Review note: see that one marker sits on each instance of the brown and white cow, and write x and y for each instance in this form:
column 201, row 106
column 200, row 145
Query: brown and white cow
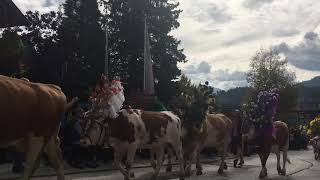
column 215, row 131
column 134, row 129
column 271, row 138
column 30, row 116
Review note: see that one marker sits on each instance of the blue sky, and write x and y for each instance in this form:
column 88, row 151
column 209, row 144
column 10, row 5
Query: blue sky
column 220, row 36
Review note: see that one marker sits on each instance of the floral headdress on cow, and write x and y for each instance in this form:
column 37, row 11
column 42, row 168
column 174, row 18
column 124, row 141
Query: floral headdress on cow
column 194, row 101
column 264, row 109
column 107, row 97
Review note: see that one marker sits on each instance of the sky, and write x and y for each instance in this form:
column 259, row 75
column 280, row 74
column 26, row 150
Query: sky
column 220, row 36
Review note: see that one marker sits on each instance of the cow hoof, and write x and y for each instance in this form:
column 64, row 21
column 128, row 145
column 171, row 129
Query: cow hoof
column 225, row 166
column 169, row 169
column 188, row 173
column 153, row 165
column 199, row 173
column 220, row 171
column 154, row 177
column 279, row 170
column 132, row 175
column 263, row 175
column 283, row 173
column 235, row 162
column 241, row 163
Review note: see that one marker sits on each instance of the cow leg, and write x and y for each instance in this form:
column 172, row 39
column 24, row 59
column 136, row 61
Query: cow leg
column 170, row 155
column 239, row 156
column 159, row 155
column 117, row 161
column 152, row 160
column 198, row 164
column 55, row 156
column 277, row 152
column 285, row 159
column 235, row 162
column 241, row 146
column 178, row 150
column 34, row 149
column 264, row 171
column 130, row 158
column 222, row 164
column 222, row 151
column 188, row 164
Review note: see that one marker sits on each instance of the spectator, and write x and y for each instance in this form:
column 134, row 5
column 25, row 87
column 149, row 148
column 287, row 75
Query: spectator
column 17, row 162
column 2, row 156
column 158, row 105
column 71, row 132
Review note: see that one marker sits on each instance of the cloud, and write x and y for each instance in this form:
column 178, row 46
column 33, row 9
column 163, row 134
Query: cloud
column 48, row 3
column 203, row 11
column 304, row 55
column 212, row 12
column 203, row 67
column 253, row 4
column 242, row 39
column 311, row 36
column 285, row 32
column 226, row 85
column 227, row 75
column 42, row 6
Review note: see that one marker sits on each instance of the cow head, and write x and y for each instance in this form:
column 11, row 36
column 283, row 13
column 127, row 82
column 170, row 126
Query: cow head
column 95, row 131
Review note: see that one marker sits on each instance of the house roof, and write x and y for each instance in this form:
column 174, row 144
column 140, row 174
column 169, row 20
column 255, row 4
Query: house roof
column 11, row 15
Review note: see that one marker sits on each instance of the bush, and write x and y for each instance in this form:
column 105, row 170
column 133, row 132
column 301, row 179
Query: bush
column 298, row 138
column 313, row 129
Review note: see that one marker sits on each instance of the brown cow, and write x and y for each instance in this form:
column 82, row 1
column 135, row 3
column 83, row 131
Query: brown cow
column 134, row 129
column 30, row 117
column 271, row 138
column 237, row 138
column 214, row 131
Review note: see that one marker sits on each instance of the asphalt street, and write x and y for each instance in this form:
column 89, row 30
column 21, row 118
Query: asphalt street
column 302, row 167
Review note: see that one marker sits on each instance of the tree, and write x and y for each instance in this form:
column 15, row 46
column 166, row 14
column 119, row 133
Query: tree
column 11, row 52
column 267, row 71
column 81, row 41
column 40, row 38
column 126, row 29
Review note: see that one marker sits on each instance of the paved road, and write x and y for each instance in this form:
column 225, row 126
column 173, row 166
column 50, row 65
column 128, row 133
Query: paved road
column 303, row 167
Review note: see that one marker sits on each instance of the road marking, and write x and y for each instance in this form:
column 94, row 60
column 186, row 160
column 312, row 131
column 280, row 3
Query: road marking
column 310, row 166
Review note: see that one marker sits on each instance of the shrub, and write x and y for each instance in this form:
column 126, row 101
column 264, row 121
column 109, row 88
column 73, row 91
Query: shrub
column 313, row 129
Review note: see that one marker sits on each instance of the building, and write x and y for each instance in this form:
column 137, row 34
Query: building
column 10, row 15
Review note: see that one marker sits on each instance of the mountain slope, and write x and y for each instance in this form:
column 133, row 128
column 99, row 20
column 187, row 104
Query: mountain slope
column 314, row 82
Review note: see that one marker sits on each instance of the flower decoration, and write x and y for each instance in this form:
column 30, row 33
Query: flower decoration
column 264, row 109
column 101, row 92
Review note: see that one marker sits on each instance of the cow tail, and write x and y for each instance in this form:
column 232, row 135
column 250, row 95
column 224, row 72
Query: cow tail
column 71, row 104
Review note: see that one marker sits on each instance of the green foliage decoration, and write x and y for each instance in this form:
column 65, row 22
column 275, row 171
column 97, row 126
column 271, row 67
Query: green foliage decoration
column 193, row 102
